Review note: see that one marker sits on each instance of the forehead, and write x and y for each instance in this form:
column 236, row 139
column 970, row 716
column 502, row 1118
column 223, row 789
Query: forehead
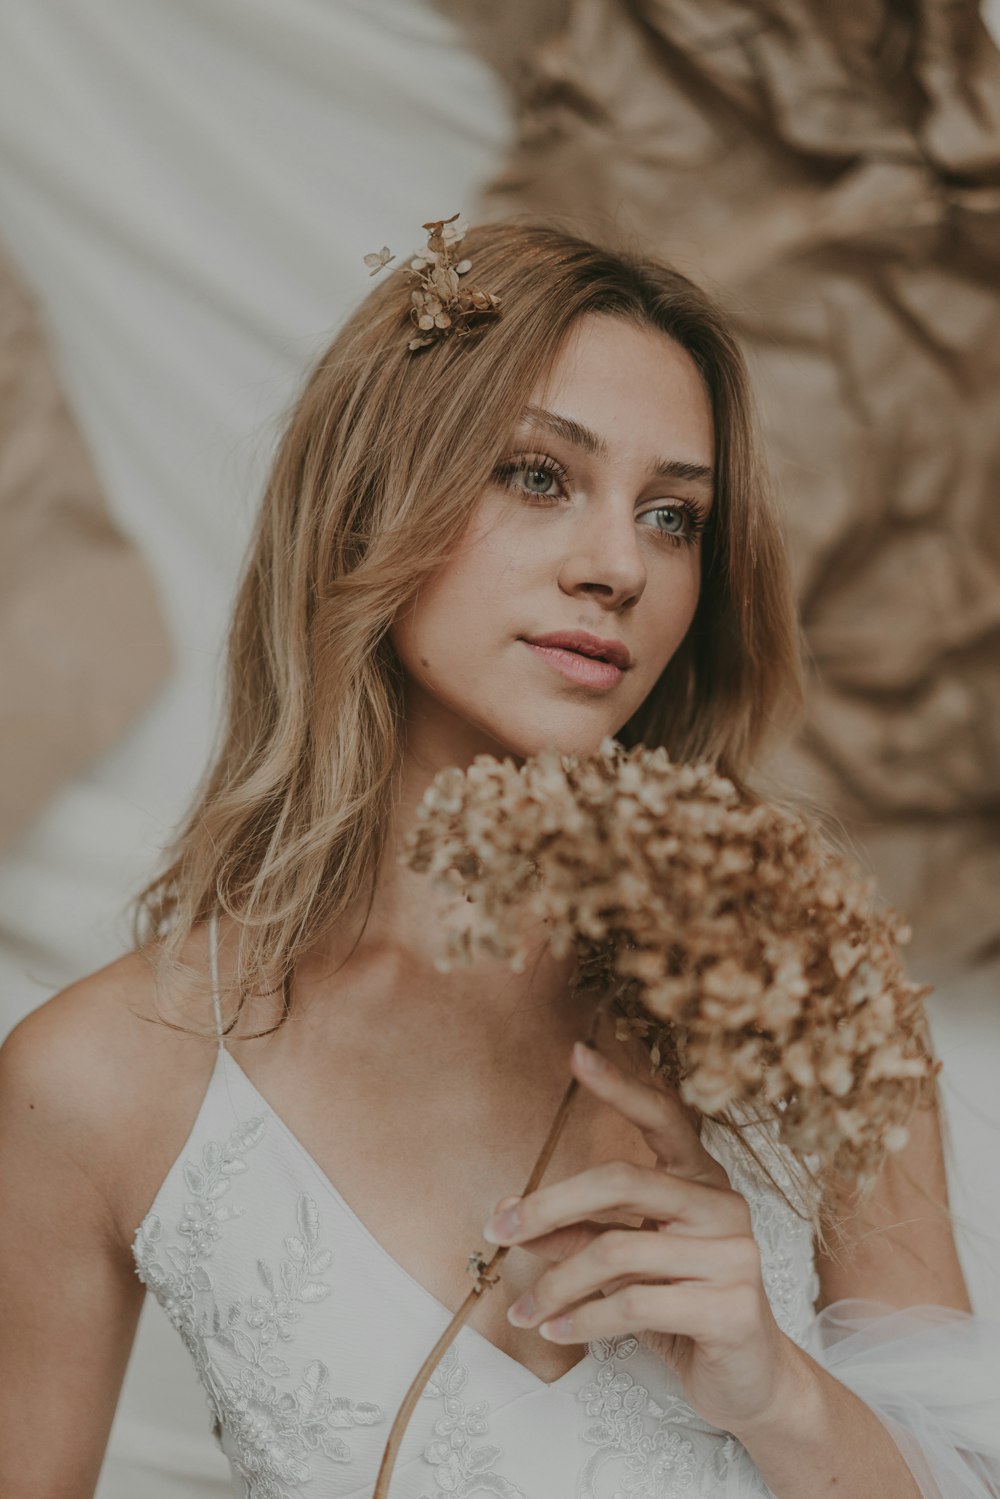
column 620, row 390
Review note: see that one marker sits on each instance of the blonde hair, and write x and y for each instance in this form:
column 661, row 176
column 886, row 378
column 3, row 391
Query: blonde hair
column 383, row 459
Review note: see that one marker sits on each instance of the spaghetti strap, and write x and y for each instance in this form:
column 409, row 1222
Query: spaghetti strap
column 213, row 960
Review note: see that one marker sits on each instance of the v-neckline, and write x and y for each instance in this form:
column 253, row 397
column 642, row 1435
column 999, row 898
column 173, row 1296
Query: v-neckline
column 399, row 1269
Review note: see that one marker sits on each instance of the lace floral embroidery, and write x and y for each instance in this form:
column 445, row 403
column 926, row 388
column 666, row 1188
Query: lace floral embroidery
column 661, row 1448
column 461, row 1469
column 273, row 1422
column 659, row 1460
column 658, row 1449
column 786, row 1248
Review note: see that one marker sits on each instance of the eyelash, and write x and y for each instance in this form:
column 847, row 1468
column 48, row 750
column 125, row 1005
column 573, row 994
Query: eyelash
column 504, row 474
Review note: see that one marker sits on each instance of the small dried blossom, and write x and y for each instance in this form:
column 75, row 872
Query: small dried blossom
column 379, row 258
column 723, row 930
column 441, row 303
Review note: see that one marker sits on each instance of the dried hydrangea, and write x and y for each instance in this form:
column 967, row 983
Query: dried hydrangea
column 440, row 302
column 750, row 956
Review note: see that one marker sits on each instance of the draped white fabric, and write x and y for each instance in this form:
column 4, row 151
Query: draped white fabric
column 933, row 1377
column 189, row 185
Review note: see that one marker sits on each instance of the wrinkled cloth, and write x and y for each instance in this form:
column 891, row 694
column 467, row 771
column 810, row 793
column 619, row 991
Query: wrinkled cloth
column 833, row 175
column 82, row 641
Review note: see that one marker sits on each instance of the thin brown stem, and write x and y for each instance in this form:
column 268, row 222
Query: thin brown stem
column 486, row 1278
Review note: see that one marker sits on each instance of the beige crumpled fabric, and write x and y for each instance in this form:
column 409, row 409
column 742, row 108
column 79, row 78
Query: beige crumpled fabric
column 82, row 642
column 833, row 174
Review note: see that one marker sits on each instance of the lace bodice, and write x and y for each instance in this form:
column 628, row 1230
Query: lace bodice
column 305, row 1334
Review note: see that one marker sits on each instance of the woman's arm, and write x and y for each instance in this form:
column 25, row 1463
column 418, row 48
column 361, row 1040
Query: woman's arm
column 69, row 1296
column 901, row 1250
column 901, row 1255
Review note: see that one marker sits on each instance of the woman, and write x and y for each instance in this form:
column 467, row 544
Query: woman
column 548, row 531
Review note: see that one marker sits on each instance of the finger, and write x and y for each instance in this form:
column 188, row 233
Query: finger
column 620, row 1257
column 665, row 1123
column 505, row 1202
column 562, row 1242
column 623, row 1187
column 709, row 1315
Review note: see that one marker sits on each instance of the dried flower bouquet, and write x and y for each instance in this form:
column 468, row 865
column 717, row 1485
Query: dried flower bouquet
column 723, row 930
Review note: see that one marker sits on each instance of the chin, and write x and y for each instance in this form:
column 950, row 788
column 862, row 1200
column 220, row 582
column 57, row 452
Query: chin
column 565, row 738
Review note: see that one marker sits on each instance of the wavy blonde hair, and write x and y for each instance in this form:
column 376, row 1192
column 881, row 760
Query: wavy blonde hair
column 382, row 461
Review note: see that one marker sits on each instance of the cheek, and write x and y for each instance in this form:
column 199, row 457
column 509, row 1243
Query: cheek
column 456, row 612
column 468, row 599
column 668, row 620
column 678, row 585
column 686, row 596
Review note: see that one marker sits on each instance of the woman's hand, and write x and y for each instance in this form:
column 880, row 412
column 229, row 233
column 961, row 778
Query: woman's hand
column 689, row 1280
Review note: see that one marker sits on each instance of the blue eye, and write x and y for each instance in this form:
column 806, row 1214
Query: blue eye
column 539, row 477
column 532, row 476
column 538, row 480
column 685, row 521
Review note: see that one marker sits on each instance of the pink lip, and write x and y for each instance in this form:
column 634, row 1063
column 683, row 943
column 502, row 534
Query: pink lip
column 585, row 644
column 584, row 670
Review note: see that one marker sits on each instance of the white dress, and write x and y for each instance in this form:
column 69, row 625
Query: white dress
column 306, row 1334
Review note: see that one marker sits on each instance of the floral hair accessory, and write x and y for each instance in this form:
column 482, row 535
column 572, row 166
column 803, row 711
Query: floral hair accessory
column 442, row 302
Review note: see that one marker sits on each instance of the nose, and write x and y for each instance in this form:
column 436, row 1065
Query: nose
column 603, row 562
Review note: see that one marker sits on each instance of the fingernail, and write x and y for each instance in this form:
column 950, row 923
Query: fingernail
column 556, row 1329
column 590, row 1060
column 523, row 1311
column 503, row 1226
column 505, row 1202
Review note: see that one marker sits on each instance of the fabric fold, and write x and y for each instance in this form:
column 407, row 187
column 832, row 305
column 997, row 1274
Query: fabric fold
column 932, row 1376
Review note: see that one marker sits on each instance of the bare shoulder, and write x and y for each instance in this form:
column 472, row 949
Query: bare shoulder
column 96, row 1100
column 107, row 1075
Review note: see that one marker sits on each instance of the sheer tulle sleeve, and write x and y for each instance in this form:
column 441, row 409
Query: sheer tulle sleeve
column 932, row 1376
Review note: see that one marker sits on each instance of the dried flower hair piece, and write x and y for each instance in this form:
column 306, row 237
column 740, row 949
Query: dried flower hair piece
column 441, row 303
column 379, row 258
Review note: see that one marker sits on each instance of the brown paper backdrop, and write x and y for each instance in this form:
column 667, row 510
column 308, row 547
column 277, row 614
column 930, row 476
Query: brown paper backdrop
column 833, row 174
column 82, row 643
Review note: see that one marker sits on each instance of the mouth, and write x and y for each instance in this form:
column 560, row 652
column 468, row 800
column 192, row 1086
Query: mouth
column 584, row 660
column 580, row 643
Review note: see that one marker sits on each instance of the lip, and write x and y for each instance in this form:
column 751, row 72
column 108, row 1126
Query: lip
column 585, row 669
column 585, row 644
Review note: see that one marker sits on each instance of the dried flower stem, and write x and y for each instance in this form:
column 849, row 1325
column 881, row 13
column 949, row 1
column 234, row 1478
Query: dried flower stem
column 486, row 1279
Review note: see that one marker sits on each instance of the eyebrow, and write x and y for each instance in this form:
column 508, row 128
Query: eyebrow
column 583, row 437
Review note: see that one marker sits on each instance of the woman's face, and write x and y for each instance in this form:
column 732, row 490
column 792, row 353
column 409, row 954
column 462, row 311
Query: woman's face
column 588, row 532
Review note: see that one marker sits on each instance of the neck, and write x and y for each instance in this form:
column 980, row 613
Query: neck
column 404, row 929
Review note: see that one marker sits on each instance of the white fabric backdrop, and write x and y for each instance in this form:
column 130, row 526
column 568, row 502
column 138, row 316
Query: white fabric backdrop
column 189, row 186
